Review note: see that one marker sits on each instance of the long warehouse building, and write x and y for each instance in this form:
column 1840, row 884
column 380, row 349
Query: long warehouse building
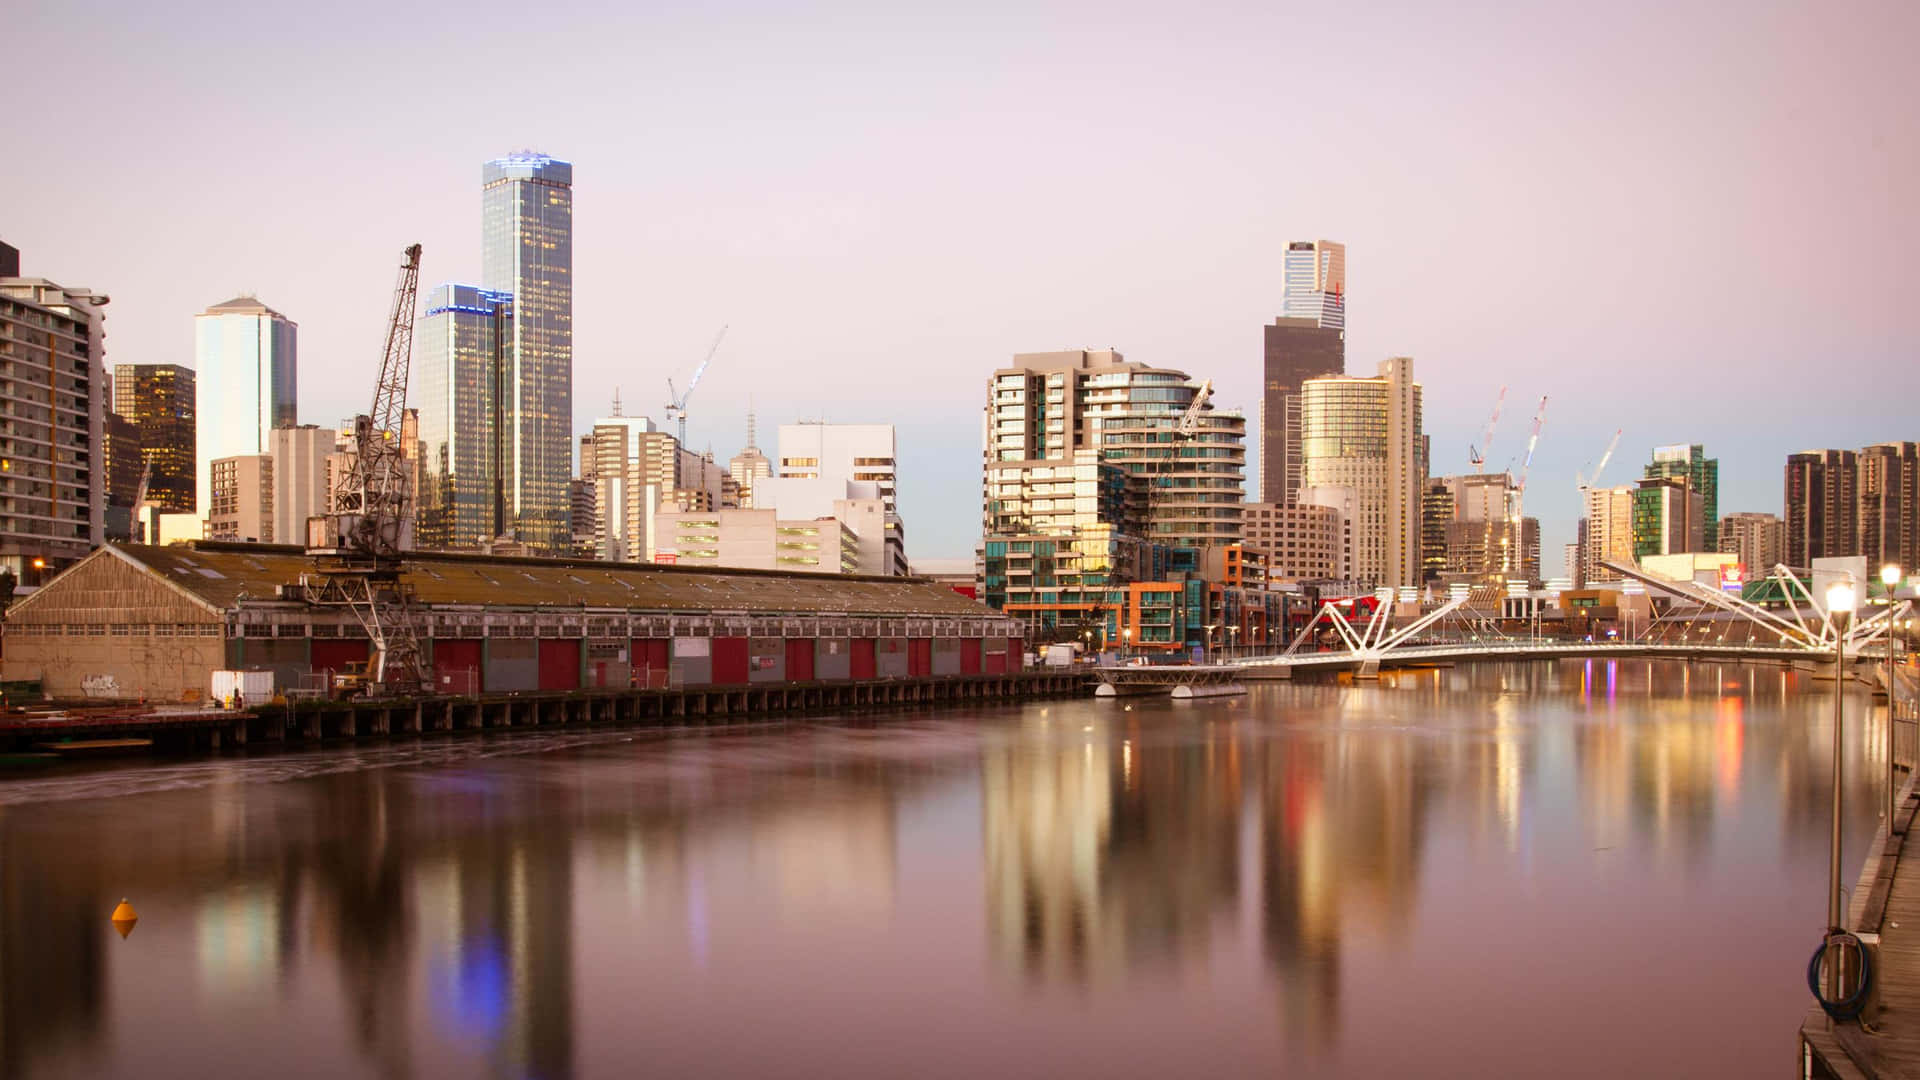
column 136, row 622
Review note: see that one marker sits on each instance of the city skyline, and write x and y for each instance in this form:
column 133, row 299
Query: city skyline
column 1507, row 259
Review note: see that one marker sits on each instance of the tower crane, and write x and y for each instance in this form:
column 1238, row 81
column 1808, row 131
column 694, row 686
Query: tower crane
column 677, row 401
column 1184, row 428
column 358, row 545
column 1516, row 522
column 1478, row 455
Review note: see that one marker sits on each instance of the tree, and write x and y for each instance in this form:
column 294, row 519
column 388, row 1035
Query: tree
column 7, row 584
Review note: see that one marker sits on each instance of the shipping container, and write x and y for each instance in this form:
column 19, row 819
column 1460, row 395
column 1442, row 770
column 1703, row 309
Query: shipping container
column 239, row 689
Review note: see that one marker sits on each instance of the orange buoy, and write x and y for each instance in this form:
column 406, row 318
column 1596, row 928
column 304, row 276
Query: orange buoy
column 124, row 917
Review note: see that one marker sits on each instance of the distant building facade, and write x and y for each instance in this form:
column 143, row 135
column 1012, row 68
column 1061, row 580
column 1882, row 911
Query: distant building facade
column 1301, row 542
column 1607, row 533
column 1889, row 514
column 1668, row 517
column 299, row 479
column 240, row 499
column 1689, row 462
column 1758, row 539
column 160, row 401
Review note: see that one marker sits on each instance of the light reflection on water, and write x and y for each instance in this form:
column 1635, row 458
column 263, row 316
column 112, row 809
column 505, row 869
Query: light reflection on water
column 1587, row 868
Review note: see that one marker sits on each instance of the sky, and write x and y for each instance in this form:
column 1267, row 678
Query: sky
column 1691, row 222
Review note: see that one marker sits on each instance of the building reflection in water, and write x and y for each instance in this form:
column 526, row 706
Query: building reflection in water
column 458, row 919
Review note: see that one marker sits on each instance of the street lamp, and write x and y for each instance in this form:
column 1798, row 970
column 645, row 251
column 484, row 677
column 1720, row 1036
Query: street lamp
column 1211, row 627
column 1840, row 602
column 1126, row 643
column 1890, row 577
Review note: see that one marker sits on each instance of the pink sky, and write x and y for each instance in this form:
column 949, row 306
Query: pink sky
column 1696, row 222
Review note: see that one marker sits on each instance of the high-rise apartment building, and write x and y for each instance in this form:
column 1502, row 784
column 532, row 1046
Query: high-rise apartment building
column 1758, row 539
column 464, row 346
column 1668, row 517
column 246, row 381
column 1689, row 462
column 1822, row 507
column 1300, row 542
column 53, row 480
column 632, row 463
column 526, row 252
column 1889, row 514
column 1607, row 535
column 1364, row 435
column 1307, row 341
column 159, row 400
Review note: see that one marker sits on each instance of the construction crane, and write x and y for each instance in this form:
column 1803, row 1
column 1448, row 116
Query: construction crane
column 1184, row 428
column 1478, row 455
column 1516, row 536
column 677, row 401
column 358, row 544
column 1585, row 483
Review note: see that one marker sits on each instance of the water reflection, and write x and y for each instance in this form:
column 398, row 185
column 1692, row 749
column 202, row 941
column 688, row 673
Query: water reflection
column 1232, row 885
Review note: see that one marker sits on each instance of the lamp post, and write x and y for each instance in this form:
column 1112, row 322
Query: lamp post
column 1890, row 576
column 1211, row 627
column 1840, row 601
column 1233, row 640
column 1126, row 643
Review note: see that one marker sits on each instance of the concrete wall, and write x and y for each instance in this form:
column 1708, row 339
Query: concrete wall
column 156, row 669
column 287, row 658
column 512, row 664
column 832, row 658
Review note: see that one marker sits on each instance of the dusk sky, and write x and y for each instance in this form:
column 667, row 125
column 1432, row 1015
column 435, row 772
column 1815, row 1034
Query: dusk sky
column 1696, row 222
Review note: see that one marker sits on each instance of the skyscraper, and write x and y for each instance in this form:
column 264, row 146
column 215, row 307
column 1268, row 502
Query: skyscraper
column 1889, row 515
column 1608, row 533
column 1690, row 462
column 749, row 466
column 246, row 361
column 1668, row 517
column 1308, row 340
column 465, row 347
column 526, row 251
column 1821, row 508
column 1364, row 448
column 158, row 399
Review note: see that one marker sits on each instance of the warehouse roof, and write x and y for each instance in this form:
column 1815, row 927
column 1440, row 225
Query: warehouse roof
column 223, row 574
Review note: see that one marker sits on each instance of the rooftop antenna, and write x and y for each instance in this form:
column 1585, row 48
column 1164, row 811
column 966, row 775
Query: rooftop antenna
column 752, row 436
column 616, row 401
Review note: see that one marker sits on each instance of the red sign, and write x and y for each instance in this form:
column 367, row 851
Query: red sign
column 666, row 557
column 1732, row 578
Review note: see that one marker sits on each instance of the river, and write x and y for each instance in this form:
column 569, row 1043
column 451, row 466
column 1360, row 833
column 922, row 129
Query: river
column 1579, row 869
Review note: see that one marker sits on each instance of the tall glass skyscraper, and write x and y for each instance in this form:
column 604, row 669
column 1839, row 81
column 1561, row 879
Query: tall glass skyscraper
column 246, row 372
column 526, row 252
column 465, row 347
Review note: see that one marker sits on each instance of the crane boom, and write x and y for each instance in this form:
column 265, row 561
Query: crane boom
column 1478, row 455
column 1190, row 420
column 1516, row 520
column 677, row 400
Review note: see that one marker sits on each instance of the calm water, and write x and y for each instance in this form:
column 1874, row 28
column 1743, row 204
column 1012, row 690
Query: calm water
column 1591, row 870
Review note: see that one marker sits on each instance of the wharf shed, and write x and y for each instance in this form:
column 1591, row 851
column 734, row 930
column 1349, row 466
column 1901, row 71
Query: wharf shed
column 141, row 622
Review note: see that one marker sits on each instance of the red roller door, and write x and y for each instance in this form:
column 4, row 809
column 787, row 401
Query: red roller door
column 456, row 666
column 560, row 664
column 799, row 659
column 729, row 660
column 860, row 662
column 335, row 654
column 650, row 662
column 1016, row 654
column 996, row 663
column 969, row 656
column 920, row 656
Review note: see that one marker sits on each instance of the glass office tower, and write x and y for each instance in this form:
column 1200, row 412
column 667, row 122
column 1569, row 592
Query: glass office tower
column 159, row 400
column 526, row 252
column 245, row 376
column 465, row 351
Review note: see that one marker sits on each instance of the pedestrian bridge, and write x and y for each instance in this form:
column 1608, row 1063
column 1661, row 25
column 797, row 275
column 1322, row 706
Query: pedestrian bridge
column 1415, row 656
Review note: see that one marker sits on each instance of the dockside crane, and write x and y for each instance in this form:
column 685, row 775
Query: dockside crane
column 1516, row 521
column 1478, row 454
column 358, row 545
column 677, row 401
